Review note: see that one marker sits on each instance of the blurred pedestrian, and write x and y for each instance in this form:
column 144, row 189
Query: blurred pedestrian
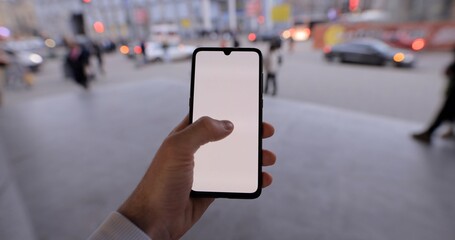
column 78, row 60
column 4, row 60
column 17, row 74
column 291, row 44
column 272, row 63
column 143, row 51
column 165, row 45
column 98, row 52
column 235, row 40
column 447, row 112
column 224, row 41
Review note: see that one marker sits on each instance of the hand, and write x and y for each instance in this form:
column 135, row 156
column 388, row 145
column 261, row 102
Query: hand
column 161, row 205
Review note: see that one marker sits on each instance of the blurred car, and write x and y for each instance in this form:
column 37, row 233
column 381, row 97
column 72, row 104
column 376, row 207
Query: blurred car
column 269, row 37
column 27, row 53
column 108, row 45
column 369, row 51
column 165, row 33
column 130, row 49
column 298, row 33
column 29, row 60
column 29, row 44
column 155, row 52
column 263, row 37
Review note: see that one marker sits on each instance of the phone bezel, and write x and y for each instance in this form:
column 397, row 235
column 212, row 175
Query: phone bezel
column 227, row 52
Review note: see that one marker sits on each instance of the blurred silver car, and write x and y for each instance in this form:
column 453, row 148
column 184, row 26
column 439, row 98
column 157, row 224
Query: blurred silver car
column 155, row 51
column 32, row 61
column 29, row 60
column 26, row 52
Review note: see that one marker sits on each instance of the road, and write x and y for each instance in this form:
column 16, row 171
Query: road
column 408, row 94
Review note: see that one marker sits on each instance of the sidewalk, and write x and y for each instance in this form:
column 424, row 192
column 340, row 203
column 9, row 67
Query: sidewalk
column 340, row 175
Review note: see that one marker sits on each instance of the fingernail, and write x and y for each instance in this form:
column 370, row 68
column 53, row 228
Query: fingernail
column 228, row 125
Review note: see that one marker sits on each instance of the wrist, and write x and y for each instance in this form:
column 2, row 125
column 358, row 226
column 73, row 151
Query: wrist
column 146, row 221
column 158, row 232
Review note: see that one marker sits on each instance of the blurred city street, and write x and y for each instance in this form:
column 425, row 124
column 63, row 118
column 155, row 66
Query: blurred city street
column 408, row 94
column 77, row 155
column 364, row 117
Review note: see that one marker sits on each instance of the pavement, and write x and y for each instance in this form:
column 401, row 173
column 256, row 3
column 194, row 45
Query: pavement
column 75, row 156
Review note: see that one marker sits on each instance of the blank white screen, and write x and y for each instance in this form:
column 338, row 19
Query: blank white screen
column 227, row 88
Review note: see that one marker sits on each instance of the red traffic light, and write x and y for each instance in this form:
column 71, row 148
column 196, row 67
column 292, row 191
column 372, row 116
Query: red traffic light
column 86, row 1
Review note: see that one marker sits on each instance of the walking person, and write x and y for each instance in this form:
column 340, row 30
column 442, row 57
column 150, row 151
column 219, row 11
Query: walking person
column 165, row 45
column 98, row 52
column 272, row 64
column 235, row 40
column 4, row 61
column 143, row 51
column 291, row 44
column 17, row 75
column 447, row 112
column 78, row 59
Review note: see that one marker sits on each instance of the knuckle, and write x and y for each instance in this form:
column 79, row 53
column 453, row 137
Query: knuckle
column 206, row 123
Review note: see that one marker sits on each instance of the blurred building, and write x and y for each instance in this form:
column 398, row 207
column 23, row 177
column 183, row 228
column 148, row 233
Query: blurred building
column 394, row 10
column 124, row 18
column 18, row 16
column 422, row 10
column 136, row 18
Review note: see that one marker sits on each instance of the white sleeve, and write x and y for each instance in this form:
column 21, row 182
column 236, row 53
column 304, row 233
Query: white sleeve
column 118, row 227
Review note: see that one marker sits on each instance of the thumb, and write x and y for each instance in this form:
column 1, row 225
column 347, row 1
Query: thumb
column 203, row 131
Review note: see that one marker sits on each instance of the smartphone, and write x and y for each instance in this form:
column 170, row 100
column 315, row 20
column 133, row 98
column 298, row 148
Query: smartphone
column 226, row 84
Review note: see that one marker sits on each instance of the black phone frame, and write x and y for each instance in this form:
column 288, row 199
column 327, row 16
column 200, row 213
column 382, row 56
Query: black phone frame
column 227, row 51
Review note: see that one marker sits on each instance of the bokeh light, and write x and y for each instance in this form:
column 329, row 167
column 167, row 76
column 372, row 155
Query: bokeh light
column 124, row 49
column 99, row 27
column 398, row 57
column 137, row 50
column 4, row 32
column 50, row 43
column 251, row 37
column 418, row 44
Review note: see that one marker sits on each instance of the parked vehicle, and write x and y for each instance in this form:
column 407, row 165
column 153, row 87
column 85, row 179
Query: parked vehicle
column 165, row 33
column 158, row 52
column 263, row 37
column 369, row 51
column 29, row 60
column 297, row 33
column 27, row 53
